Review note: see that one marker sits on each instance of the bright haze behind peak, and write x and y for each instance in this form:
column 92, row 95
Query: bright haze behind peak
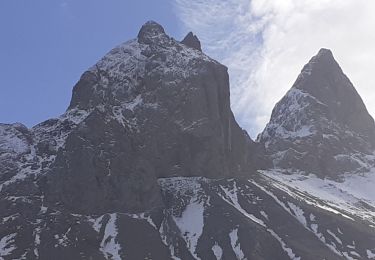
column 266, row 43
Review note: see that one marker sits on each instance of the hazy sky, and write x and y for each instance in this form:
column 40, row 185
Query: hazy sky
column 46, row 45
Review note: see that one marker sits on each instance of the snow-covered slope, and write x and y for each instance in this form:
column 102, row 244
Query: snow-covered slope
column 353, row 194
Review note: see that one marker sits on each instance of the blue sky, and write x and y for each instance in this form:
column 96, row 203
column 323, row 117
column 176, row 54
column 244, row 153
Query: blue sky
column 46, row 45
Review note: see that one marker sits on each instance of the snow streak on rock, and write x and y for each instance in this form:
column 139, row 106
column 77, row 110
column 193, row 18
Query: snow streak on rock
column 235, row 242
column 288, row 250
column 370, row 253
column 292, row 188
column 109, row 245
column 6, row 244
column 190, row 221
column 231, row 197
column 354, row 195
column 218, row 252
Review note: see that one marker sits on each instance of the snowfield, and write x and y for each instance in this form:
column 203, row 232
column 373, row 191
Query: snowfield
column 355, row 194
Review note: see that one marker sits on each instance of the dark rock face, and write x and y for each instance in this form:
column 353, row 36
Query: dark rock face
column 321, row 125
column 105, row 167
column 156, row 109
column 192, row 41
column 331, row 86
column 149, row 31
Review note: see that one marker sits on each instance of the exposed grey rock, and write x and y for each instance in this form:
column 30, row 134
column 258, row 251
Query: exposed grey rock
column 157, row 109
column 151, row 31
column 321, row 125
column 47, row 146
column 15, row 143
column 192, row 41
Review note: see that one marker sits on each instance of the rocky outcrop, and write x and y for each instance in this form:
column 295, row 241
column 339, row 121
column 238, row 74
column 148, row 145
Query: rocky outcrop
column 321, row 125
column 156, row 109
column 15, row 145
column 192, row 41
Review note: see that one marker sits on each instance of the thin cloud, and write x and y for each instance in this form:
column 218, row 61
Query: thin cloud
column 265, row 44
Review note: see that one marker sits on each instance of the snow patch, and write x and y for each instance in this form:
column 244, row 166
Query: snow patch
column 338, row 240
column 232, row 199
column 288, row 250
column 344, row 198
column 96, row 223
column 7, row 245
column 190, row 224
column 37, row 232
column 133, row 104
column 370, row 253
column 264, row 214
column 109, row 246
column 235, row 242
column 298, row 213
column 218, row 252
column 190, row 221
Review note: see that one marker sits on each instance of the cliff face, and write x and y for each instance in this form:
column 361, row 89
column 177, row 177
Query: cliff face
column 155, row 108
column 321, row 125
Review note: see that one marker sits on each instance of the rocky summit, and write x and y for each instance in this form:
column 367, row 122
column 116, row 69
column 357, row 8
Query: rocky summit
column 321, row 125
column 148, row 162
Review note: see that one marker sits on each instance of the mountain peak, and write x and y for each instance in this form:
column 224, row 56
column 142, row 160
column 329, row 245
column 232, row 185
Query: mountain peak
column 157, row 87
column 323, row 78
column 323, row 63
column 192, row 41
column 129, row 65
column 324, row 52
column 321, row 122
column 149, row 31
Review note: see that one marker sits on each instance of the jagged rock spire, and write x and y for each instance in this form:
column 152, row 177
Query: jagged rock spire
column 321, row 125
column 192, row 41
column 323, row 78
column 149, row 31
